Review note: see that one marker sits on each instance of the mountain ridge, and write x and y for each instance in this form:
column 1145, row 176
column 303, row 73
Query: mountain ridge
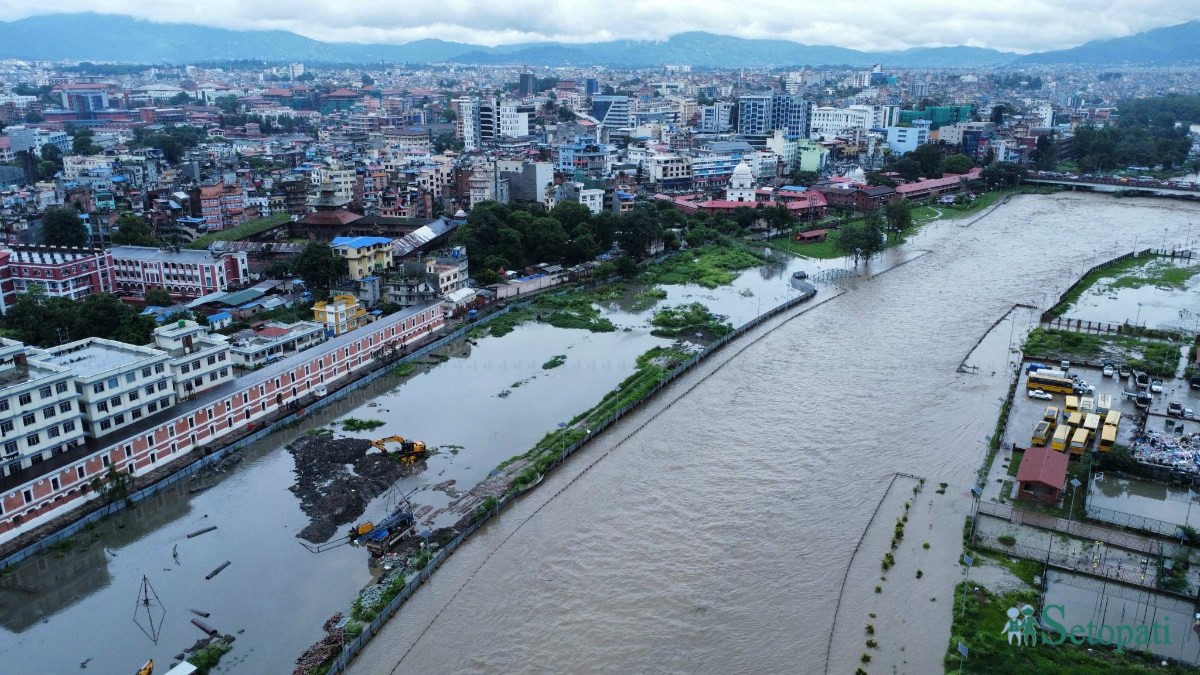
column 72, row 37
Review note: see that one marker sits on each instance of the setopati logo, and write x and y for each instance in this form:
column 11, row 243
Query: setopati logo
column 1023, row 630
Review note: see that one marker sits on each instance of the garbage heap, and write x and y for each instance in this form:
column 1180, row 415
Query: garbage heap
column 1179, row 452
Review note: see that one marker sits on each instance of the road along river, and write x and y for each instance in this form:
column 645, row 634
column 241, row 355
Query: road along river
column 715, row 535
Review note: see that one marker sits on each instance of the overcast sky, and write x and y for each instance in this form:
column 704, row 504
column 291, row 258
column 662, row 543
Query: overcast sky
column 874, row 25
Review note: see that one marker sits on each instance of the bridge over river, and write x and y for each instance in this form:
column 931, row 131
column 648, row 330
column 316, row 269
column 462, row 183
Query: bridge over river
column 1156, row 187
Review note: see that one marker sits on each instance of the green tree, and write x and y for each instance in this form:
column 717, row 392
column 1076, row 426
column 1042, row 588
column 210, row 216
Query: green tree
column 228, row 104
column 908, row 168
column 278, row 269
column 860, row 239
column 133, row 231
column 61, row 226
column 320, row 267
column 82, row 143
column 899, row 216
column 52, row 153
column 639, row 229
column 46, row 170
column 805, row 178
column 39, row 320
column 447, row 141
column 929, row 157
column 1044, row 154
column 957, row 163
column 182, row 98
column 367, row 80
column 159, row 297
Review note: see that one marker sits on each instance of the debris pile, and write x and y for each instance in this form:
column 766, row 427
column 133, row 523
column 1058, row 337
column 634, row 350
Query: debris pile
column 322, row 652
column 1179, row 452
column 336, row 479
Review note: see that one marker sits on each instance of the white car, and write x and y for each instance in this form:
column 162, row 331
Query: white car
column 1108, row 371
column 1156, row 385
column 1189, row 414
column 1041, row 395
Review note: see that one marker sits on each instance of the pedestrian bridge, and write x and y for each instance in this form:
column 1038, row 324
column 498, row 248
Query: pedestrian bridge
column 833, row 274
column 1149, row 187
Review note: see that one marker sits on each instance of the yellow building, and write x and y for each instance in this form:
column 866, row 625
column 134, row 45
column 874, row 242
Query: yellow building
column 342, row 314
column 366, row 256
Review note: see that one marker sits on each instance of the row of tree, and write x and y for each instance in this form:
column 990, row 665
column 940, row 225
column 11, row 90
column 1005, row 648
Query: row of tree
column 37, row 319
column 1150, row 132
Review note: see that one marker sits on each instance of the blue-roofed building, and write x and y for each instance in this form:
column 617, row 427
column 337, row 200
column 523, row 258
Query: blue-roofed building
column 220, row 320
column 364, row 255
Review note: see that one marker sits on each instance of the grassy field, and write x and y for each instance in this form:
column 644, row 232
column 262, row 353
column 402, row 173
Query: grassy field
column 1116, row 271
column 1159, row 273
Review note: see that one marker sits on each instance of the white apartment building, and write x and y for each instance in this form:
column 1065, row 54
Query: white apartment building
column 199, row 360
column 118, row 383
column 274, row 341
column 669, row 169
column 828, row 123
column 38, row 415
column 903, row 140
column 466, row 123
column 516, row 119
column 342, row 181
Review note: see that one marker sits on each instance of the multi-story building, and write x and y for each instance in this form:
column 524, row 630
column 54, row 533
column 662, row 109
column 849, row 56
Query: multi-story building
column 62, row 272
column 198, row 360
column 341, row 314
column 671, row 172
column 612, row 111
column 903, row 140
column 31, row 493
column 760, row 114
column 754, row 114
column 38, row 415
column 118, row 383
column 828, row 123
column 364, row 255
column 715, row 118
column 274, row 341
column 185, row 273
column 515, row 119
column 466, row 122
column 585, row 155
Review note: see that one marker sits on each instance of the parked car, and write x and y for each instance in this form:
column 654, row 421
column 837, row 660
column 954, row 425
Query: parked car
column 1175, row 409
column 1194, row 383
column 1156, row 385
column 1189, row 414
column 1064, row 365
column 800, row 276
column 1124, row 371
column 1109, row 371
column 1041, row 395
column 1034, row 367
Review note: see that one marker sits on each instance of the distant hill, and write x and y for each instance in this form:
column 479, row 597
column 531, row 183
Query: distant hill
column 107, row 37
column 1161, row 46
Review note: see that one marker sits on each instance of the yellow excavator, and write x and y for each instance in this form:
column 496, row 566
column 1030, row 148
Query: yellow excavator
column 409, row 451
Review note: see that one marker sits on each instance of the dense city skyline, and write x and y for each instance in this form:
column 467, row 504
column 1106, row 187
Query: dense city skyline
column 1003, row 25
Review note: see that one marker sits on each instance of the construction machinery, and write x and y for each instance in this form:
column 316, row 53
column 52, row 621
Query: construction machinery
column 409, row 451
column 379, row 537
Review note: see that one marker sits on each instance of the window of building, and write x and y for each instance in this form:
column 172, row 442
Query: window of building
column 53, row 432
column 145, row 372
column 105, row 461
column 32, row 440
column 113, row 383
column 136, row 414
column 133, row 396
column 10, row 448
column 130, row 377
column 64, row 407
column 29, row 419
column 49, row 412
column 3, row 405
column 27, row 495
column 61, row 387
column 24, row 399
column 105, row 424
column 119, row 419
column 152, row 407
column 102, row 406
column 162, row 385
column 149, row 390
column 69, row 426
column 6, row 427
column 98, row 388
column 45, row 392
column 114, row 401
column 79, row 473
column 158, row 368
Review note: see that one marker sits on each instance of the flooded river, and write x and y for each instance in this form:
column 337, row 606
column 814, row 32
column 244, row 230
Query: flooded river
column 716, row 537
column 714, row 540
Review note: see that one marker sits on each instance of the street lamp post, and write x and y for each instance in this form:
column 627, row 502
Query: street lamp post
column 562, row 432
column 1164, row 248
column 1074, row 484
column 967, row 562
column 1139, row 314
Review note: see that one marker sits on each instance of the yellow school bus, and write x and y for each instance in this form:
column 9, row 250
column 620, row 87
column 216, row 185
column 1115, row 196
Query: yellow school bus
column 1107, row 438
column 1051, row 414
column 1042, row 432
column 1075, row 420
column 1113, row 418
column 1103, row 404
column 1072, row 404
column 1079, row 441
column 1092, row 423
column 1061, row 436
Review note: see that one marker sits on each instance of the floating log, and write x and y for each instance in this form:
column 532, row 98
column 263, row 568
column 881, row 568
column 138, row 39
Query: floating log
column 208, row 630
column 197, row 533
column 216, row 571
column 199, row 613
column 202, row 488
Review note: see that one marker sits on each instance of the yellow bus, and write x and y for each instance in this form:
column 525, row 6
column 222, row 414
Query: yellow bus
column 1051, row 414
column 1050, row 384
column 1113, row 418
column 1075, row 420
column 1072, row 404
column 1079, row 441
column 1103, row 404
column 1042, row 432
column 1062, row 436
column 1107, row 438
column 1092, row 423
column 1087, row 405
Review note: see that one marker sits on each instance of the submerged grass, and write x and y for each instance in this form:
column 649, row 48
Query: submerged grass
column 709, row 266
column 685, row 320
column 355, row 424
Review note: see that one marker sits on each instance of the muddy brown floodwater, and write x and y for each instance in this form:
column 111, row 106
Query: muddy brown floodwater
column 715, row 535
